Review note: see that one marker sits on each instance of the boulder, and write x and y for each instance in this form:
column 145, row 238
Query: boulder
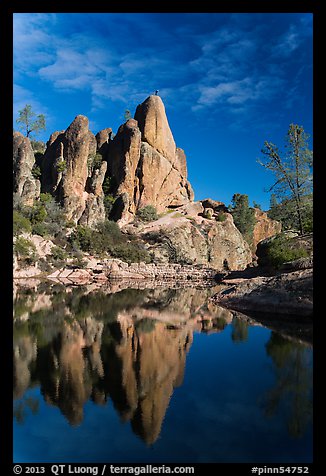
column 288, row 293
column 215, row 205
column 26, row 187
column 196, row 240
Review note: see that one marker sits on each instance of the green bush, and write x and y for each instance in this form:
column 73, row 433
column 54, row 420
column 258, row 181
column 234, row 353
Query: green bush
column 221, row 217
column 108, row 185
column 111, row 230
column 243, row 216
column 36, row 171
column 40, row 229
column 82, row 238
column 108, row 204
column 20, row 223
column 38, row 214
column 94, row 162
column 46, row 198
column 147, row 213
column 108, row 238
column 280, row 250
column 38, row 146
column 25, row 249
column 61, row 166
column 58, row 253
column 130, row 252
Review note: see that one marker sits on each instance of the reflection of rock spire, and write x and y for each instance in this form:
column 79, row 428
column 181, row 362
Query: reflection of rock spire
column 152, row 365
column 25, row 351
column 137, row 366
column 67, row 384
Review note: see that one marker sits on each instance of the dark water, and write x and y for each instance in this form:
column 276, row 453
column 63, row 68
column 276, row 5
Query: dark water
column 154, row 376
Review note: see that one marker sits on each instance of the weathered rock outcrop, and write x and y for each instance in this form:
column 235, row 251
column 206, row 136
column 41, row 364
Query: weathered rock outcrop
column 288, row 293
column 25, row 185
column 115, row 269
column 76, row 185
column 264, row 227
column 187, row 237
column 146, row 166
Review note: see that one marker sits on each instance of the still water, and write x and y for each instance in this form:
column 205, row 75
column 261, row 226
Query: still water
column 154, row 375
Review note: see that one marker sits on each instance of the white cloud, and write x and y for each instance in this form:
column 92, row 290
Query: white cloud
column 288, row 42
column 32, row 45
column 236, row 67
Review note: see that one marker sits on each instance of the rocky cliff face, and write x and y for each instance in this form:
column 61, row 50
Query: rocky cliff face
column 67, row 173
column 186, row 236
column 25, row 185
column 146, row 166
column 264, row 227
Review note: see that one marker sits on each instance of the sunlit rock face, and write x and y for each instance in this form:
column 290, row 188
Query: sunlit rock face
column 67, row 174
column 26, row 187
column 264, row 227
column 190, row 238
column 146, row 165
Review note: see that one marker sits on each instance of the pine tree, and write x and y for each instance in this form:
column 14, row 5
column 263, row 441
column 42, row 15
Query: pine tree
column 292, row 170
column 28, row 121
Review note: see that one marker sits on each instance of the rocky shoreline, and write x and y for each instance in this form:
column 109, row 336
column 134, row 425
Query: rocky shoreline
column 114, row 269
column 251, row 290
column 284, row 293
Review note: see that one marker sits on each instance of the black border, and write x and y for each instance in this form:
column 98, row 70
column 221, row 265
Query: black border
column 6, row 81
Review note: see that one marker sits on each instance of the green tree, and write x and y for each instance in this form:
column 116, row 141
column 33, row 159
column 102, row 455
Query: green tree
column 285, row 212
column 38, row 146
column 292, row 169
column 256, row 205
column 243, row 216
column 30, row 123
column 20, row 223
column 127, row 115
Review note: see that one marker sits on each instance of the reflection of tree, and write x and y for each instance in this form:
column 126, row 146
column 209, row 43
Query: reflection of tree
column 239, row 330
column 293, row 372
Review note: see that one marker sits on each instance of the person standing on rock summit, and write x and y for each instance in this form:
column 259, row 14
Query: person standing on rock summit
column 156, row 91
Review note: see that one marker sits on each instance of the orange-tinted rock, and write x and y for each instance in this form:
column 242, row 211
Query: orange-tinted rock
column 154, row 127
column 26, row 187
column 264, row 227
column 80, row 193
column 145, row 163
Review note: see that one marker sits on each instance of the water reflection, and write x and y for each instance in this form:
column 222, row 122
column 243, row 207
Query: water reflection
column 129, row 349
column 293, row 371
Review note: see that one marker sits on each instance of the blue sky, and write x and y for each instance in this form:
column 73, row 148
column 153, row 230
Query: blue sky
column 228, row 81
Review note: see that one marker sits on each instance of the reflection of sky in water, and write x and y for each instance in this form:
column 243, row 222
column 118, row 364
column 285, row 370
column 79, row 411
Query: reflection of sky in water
column 216, row 415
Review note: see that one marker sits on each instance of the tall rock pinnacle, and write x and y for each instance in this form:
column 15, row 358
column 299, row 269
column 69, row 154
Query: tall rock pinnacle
column 146, row 165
